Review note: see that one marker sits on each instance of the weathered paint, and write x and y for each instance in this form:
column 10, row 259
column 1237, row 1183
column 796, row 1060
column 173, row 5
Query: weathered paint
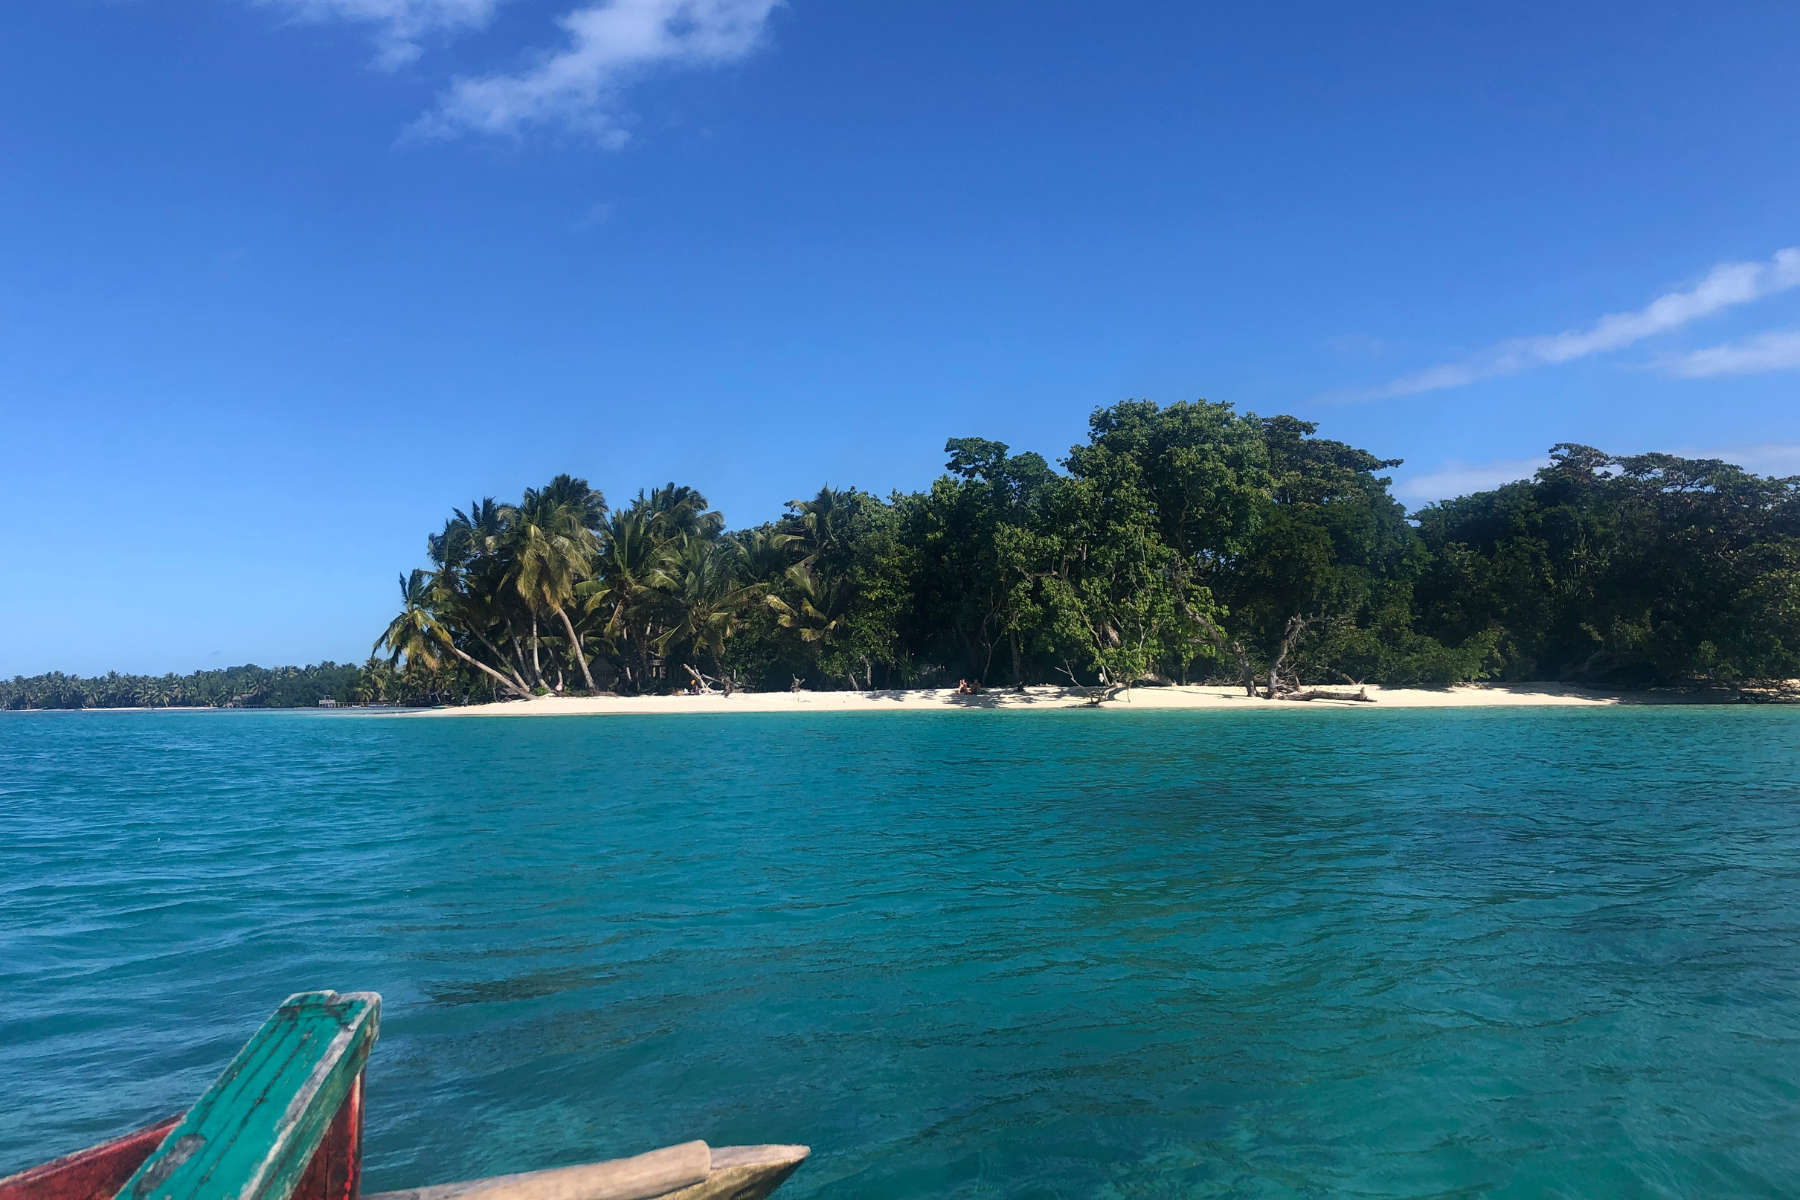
column 692, row 1171
column 335, row 1172
column 96, row 1173
column 284, row 1122
column 745, row 1173
column 640, row 1177
column 254, row 1134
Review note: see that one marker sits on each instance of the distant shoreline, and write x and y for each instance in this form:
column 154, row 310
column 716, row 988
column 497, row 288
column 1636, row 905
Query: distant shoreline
column 1477, row 695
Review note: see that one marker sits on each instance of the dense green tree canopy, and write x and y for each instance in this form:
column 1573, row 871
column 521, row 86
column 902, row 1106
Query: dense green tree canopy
column 1623, row 570
column 1177, row 543
column 1182, row 542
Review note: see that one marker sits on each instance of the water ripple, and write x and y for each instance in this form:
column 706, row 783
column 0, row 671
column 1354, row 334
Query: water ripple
column 1508, row 954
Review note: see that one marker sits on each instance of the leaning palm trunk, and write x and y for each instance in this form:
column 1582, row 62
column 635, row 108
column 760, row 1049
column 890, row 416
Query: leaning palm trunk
column 537, row 667
column 518, row 681
column 575, row 646
column 511, row 685
column 518, row 652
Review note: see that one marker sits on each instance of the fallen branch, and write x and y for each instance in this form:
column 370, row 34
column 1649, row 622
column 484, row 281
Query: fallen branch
column 1297, row 626
column 1316, row 694
column 1111, row 690
column 1095, row 699
column 1077, row 682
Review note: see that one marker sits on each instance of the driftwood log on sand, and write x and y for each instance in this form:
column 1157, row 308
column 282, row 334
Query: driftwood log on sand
column 1361, row 696
column 690, row 1171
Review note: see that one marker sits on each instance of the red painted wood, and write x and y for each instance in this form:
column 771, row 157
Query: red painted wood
column 335, row 1172
column 96, row 1173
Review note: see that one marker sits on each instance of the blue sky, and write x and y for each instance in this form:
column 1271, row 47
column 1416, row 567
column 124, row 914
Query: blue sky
column 281, row 281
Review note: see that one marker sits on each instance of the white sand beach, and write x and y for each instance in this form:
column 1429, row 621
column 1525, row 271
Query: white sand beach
column 1482, row 695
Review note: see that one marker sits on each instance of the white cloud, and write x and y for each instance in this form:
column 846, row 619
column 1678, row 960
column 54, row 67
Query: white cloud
column 598, row 213
column 1778, row 350
column 1725, row 286
column 400, row 24
column 1762, row 458
column 1454, row 478
column 608, row 43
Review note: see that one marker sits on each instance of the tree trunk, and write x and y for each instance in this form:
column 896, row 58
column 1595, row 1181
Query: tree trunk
column 1070, row 672
column 1107, row 693
column 719, row 669
column 518, row 648
column 1296, row 625
column 499, row 658
column 520, row 688
column 1216, row 636
column 642, row 638
column 1018, row 661
column 537, row 668
column 575, row 646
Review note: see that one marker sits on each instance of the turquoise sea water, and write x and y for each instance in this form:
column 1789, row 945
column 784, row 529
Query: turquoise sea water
column 1459, row 953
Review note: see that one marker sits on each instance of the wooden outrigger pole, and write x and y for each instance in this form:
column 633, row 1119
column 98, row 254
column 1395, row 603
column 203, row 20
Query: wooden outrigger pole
column 284, row 1122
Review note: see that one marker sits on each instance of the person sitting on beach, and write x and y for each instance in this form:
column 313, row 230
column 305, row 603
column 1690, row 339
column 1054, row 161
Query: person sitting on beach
column 964, row 688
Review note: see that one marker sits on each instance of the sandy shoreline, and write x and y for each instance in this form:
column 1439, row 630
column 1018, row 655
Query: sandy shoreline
column 1476, row 695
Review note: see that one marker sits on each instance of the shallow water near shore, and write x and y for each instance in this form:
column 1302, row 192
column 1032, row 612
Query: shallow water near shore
column 1510, row 953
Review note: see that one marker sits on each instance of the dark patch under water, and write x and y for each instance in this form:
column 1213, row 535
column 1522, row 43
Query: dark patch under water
column 1513, row 953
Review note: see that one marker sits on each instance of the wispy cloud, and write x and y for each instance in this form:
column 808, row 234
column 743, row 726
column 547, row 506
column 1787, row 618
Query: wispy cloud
column 598, row 213
column 608, row 44
column 400, row 25
column 1455, row 478
column 1761, row 458
column 1778, row 350
column 1725, row 286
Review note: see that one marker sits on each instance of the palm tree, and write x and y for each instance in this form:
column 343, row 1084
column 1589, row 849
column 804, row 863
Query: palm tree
column 554, row 549
column 584, row 505
column 474, row 558
column 368, row 682
column 417, row 635
column 820, row 526
column 678, row 513
column 761, row 554
column 817, row 612
column 628, row 567
column 703, row 597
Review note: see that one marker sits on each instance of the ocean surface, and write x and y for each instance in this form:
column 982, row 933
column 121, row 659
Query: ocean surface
column 1506, row 953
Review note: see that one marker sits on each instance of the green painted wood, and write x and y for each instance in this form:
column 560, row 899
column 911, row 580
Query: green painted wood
column 252, row 1134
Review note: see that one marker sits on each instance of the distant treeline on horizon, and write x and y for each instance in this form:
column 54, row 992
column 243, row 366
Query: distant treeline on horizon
column 248, row 686
column 1184, row 543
